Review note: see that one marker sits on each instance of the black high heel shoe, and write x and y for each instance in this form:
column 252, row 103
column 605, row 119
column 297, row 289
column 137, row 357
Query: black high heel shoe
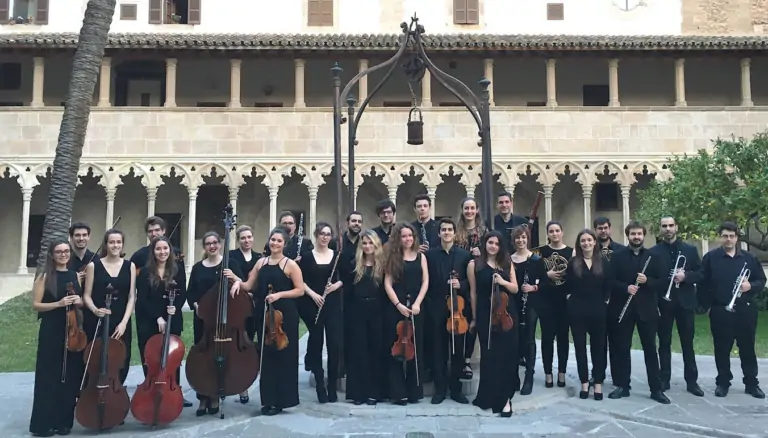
column 504, row 413
column 549, row 383
column 203, row 410
column 560, row 383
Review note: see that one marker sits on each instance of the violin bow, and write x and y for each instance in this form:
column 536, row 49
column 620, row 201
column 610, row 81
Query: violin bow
column 453, row 331
column 90, row 353
column 264, row 330
column 85, row 266
column 415, row 346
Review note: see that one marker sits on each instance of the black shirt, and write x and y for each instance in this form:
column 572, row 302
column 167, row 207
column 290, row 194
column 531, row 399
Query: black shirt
column 589, row 292
column 608, row 250
column 77, row 264
column 141, row 256
column 346, row 258
column 383, row 234
column 440, row 263
column 431, row 230
column 626, row 265
column 719, row 274
column 505, row 228
column 667, row 255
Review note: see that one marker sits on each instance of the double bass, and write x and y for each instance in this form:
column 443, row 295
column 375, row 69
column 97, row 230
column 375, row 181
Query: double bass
column 225, row 362
column 104, row 402
column 74, row 339
column 159, row 400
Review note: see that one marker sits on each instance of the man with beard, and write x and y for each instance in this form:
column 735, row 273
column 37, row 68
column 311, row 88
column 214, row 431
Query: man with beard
column 721, row 268
column 681, row 306
column 505, row 221
column 79, row 236
column 608, row 247
column 291, row 249
column 424, row 224
column 636, row 289
column 387, row 212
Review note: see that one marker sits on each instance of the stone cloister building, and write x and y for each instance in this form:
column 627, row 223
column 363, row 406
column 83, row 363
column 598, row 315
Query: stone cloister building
column 187, row 118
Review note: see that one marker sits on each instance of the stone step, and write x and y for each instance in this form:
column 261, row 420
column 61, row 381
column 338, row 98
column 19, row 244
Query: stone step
column 468, row 387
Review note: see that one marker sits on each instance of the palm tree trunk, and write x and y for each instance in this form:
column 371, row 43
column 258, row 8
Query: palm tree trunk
column 74, row 122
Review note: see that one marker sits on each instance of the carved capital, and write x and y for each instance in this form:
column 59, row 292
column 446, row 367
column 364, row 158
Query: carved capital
column 26, row 194
column 548, row 188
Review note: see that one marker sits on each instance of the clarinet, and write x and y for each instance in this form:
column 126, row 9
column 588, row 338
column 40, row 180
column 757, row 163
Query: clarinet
column 424, row 239
column 301, row 236
column 525, row 302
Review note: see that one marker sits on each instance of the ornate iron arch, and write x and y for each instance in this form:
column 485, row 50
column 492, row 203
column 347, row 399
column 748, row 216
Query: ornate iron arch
column 416, row 64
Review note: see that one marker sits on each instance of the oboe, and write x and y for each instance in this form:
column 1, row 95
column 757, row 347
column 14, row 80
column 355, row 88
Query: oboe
column 301, row 235
column 637, row 283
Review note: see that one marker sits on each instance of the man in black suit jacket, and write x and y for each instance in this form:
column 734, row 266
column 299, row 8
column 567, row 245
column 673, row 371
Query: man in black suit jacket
column 635, row 289
column 680, row 307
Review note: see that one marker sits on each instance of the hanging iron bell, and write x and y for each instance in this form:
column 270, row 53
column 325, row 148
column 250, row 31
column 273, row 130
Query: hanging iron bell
column 415, row 127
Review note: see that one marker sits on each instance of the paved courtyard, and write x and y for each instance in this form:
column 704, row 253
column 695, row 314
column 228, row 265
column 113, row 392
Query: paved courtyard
column 546, row 412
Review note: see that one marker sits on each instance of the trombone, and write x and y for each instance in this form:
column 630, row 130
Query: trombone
column 679, row 266
column 743, row 275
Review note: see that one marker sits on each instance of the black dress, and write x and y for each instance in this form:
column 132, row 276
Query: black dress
column 122, row 287
column 53, row 406
column 498, row 366
column 279, row 374
column 245, row 267
column 402, row 377
column 329, row 322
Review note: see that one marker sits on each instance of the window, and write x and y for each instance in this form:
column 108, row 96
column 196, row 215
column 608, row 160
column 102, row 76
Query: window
column 555, row 12
column 174, row 11
column 320, row 13
column 594, row 95
column 24, row 11
column 466, row 11
column 10, row 76
column 608, row 197
column 128, row 12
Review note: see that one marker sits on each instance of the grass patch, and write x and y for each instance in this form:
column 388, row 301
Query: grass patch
column 18, row 335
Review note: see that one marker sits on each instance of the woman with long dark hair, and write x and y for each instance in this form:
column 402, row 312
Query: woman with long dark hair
column 406, row 280
column 111, row 269
column 553, row 310
column 589, row 287
column 279, row 374
column 56, row 387
column 498, row 364
column 321, row 281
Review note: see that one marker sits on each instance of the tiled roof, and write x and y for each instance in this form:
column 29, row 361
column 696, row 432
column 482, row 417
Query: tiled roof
column 389, row 42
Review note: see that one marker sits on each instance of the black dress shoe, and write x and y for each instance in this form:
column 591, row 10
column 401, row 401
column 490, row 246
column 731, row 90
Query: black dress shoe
column 401, row 402
column 618, row 393
column 358, row 402
column 332, row 396
column 721, row 391
column 63, row 431
column 273, row 411
column 695, row 389
column 46, row 433
column 187, row 403
column 660, row 397
column 665, row 386
column 438, row 398
column 527, row 388
column 371, row 402
column 504, row 413
column 754, row 391
column 460, row 398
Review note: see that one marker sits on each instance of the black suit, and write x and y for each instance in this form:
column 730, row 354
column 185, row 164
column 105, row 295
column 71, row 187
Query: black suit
column 680, row 309
column 642, row 311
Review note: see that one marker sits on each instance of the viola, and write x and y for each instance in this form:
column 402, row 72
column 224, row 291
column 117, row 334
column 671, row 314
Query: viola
column 501, row 320
column 457, row 323
column 273, row 333
column 159, row 399
column 104, row 402
column 76, row 339
column 404, row 348
column 225, row 362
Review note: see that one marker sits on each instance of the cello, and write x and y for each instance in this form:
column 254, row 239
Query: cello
column 74, row 339
column 225, row 362
column 159, row 399
column 104, row 402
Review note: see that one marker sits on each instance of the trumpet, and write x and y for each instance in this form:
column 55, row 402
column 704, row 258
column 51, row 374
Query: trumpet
column 637, row 283
column 679, row 266
column 743, row 275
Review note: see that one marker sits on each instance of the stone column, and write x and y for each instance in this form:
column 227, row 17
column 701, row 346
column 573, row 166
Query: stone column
column 298, row 67
column 110, row 207
column 746, row 83
column 488, row 71
column 613, row 82
column 470, row 190
column 105, row 82
column 273, row 207
column 233, row 192
column 362, row 86
column 312, row 211
column 432, row 193
column 170, row 89
column 704, row 246
column 235, row 68
column 392, row 193
column 192, row 221
column 551, row 83
column 426, row 90
column 625, row 190
column 680, row 82
column 547, row 203
column 38, row 82
column 26, row 197
column 151, row 197
column 357, row 190
column 587, row 192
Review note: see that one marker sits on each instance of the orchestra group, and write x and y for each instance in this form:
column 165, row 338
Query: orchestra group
column 397, row 305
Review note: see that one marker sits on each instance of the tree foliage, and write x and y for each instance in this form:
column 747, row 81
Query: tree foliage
column 728, row 183
column 74, row 122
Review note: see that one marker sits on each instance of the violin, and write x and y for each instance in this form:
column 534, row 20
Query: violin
column 273, row 334
column 225, row 362
column 75, row 341
column 501, row 320
column 457, row 323
column 404, row 348
column 104, row 402
column 159, row 400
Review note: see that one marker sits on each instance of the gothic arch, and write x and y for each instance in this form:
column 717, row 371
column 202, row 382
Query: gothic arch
column 621, row 174
column 14, row 171
column 247, row 170
column 638, row 168
column 165, row 170
column 98, row 171
column 507, row 178
column 544, row 177
column 324, row 170
column 391, row 178
column 206, row 169
column 581, row 175
column 458, row 169
column 419, row 169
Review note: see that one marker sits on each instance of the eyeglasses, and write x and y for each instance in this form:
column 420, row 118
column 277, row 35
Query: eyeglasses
column 323, row 234
column 60, row 252
column 212, row 243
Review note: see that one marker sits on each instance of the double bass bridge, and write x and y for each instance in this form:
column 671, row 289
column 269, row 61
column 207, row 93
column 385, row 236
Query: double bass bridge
column 222, row 339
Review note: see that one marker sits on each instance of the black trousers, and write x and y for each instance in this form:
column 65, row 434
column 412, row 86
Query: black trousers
column 594, row 325
column 313, row 358
column 739, row 326
column 329, row 328
column 672, row 312
column 143, row 333
column 527, row 338
column 365, row 373
column 471, row 337
column 621, row 359
column 555, row 325
column 447, row 354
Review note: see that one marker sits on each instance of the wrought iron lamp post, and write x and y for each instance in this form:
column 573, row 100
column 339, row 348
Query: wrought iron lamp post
column 415, row 64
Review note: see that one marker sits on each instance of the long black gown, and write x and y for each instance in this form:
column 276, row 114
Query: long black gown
column 402, row 378
column 499, row 378
column 279, row 374
column 245, row 267
column 53, row 406
column 122, row 286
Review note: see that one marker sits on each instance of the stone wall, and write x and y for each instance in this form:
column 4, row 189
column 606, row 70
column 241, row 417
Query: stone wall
column 725, row 17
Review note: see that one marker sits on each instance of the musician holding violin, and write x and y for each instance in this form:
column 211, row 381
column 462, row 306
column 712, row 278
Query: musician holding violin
column 275, row 282
column 492, row 283
column 406, row 279
column 59, row 366
column 449, row 311
column 111, row 269
column 79, row 236
column 322, row 302
column 155, row 227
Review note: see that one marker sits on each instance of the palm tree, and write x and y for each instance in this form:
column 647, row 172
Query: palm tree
column 74, row 123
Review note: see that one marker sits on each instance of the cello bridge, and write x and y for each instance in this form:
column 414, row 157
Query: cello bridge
column 222, row 340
